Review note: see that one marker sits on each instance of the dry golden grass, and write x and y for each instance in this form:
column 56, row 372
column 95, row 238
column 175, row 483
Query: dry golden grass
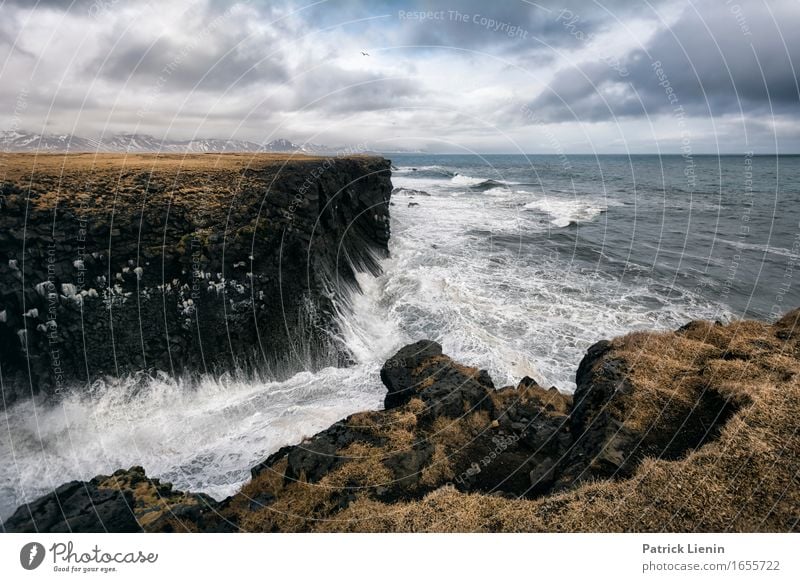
column 746, row 480
column 19, row 165
column 396, row 427
column 97, row 184
column 449, row 437
column 301, row 505
column 440, row 468
column 154, row 504
column 551, row 400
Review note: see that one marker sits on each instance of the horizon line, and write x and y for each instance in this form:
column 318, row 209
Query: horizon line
column 704, row 154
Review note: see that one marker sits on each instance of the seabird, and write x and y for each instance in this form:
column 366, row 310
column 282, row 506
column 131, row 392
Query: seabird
column 365, row 54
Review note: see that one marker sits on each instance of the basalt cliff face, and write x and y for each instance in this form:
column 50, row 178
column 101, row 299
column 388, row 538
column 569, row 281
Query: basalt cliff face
column 114, row 264
column 692, row 430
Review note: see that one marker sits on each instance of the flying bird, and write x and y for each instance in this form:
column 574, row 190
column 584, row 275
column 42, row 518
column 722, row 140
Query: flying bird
column 365, row 54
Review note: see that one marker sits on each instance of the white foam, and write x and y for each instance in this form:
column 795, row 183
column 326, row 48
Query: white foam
column 202, row 437
column 567, row 211
column 463, row 180
column 431, row 185
column 431, row 169
column 497, row 191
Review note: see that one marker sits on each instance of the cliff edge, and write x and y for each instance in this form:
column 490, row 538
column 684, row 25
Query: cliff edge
column 114, row 264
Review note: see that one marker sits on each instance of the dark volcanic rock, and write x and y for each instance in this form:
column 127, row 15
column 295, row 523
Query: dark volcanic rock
column 498, row 440
column 126, row 501
column 179, row 264
column 615, row 426
column 397, row 374
column 78, row 507
column 313, row 459
column 445, row 423
column 407, row 467
column 447, row 388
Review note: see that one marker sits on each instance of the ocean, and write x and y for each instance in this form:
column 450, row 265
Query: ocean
column 515, row 264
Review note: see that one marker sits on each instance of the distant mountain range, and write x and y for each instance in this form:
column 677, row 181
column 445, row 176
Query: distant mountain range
column 23, row 141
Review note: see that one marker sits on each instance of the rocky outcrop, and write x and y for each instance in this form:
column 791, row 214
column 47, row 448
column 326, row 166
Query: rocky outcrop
column 112, row 264
column 76, row 507
column 615, row 425
column 126, row 501
column 693, row 430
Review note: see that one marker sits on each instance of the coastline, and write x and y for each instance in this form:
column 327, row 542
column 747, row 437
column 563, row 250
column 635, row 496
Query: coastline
column 654, row 414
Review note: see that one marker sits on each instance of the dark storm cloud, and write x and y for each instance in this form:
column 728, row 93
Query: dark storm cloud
column 218, row 53
column 516, row 25
column 588, row 92
column 713, row 61
column 214, row 64
column 61, row 4
column 717, row 63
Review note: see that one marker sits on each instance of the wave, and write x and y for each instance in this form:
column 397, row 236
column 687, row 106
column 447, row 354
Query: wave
column 487, row 185
column 481, row 184
column 767, row 249
column 202, row 436
column 421, row 183
column 409, row 192
column 440, row 170
column 464, row 180
column 566, row 212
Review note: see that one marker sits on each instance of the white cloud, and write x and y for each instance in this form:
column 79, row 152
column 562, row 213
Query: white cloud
column 252, row 70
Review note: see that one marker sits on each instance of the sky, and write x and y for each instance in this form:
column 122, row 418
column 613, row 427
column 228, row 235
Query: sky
column 507, row 76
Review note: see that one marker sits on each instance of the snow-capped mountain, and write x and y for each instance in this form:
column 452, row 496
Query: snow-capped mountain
column 143, row 143
column 22, row 141
column 128, row 142
column 219, row 145
column 284, row 145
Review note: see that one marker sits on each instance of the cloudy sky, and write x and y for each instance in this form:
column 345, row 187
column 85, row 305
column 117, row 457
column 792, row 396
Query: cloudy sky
column 606, row 76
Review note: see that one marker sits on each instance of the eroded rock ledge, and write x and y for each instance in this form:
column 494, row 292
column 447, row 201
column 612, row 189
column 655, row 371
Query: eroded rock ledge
column 693, row 430
column 112, row 264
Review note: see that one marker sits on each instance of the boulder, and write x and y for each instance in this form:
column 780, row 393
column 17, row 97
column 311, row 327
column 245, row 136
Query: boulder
column 127, row 501
column 445, row 387
column 398, row 372
column 76, row 507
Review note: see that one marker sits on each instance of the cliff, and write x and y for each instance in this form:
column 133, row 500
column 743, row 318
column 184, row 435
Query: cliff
column 113, row 264
column 692, row 430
